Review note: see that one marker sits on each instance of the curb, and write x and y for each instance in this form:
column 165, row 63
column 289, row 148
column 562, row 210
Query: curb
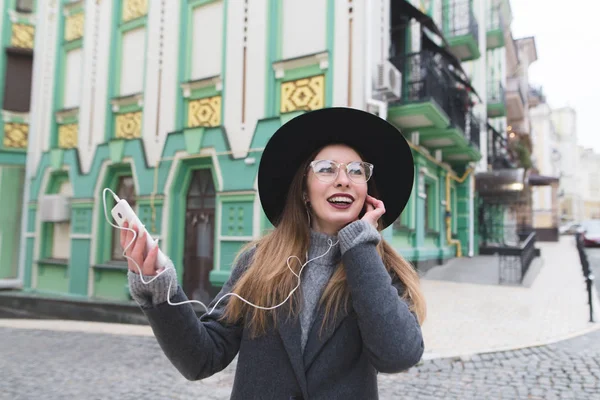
column 466, row 356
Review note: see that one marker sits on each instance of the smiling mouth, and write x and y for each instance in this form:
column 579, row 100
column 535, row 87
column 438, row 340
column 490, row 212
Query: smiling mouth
column 340, row 202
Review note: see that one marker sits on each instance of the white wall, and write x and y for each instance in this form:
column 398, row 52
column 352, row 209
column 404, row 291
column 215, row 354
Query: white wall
column 133, row 61
column 304, row 27
column 234, row 47
column 207, row 40
column 256, row 73
column 96, row 74
column 72, row 81
column 42, row 83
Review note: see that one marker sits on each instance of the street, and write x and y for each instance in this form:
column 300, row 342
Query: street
column 74, row 365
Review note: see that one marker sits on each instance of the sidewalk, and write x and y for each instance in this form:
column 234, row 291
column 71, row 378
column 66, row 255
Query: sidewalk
column 469, row 318
column 463, row 318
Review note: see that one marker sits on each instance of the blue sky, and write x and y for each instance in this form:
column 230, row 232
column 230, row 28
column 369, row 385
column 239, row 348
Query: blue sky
column 567, row 35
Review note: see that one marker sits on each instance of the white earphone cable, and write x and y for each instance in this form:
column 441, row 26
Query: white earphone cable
column 329, row 241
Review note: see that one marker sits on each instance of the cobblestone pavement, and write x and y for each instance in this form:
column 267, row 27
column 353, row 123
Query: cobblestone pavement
column 38, row 364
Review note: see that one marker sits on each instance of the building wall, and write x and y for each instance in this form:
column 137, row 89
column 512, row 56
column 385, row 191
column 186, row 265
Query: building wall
column 149, row 106
column 564, row 120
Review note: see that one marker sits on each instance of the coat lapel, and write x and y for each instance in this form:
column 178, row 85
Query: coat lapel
column 289, row 330
column 317, row 338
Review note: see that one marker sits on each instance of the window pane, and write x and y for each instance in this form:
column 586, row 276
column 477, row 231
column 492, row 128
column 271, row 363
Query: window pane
column 17, row 80
column 25, row 6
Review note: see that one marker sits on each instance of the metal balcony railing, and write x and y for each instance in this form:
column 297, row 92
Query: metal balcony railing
column 460, row 20
column 427, row 78
column 473, row 129
column 498, row 153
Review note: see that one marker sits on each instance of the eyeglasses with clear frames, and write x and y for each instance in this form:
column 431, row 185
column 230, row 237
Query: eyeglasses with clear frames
column 327, row 171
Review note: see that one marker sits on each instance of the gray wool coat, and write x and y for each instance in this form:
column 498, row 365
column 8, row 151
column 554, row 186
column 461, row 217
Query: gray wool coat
column 377, row 334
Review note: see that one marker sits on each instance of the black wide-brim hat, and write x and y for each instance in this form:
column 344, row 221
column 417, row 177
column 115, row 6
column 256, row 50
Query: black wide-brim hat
column 379, row 142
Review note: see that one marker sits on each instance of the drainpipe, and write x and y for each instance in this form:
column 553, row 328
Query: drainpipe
column 471, row 216
column 381, row 105
column 449, row 239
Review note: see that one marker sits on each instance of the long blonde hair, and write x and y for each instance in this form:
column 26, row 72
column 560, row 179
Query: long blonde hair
column 268, row 280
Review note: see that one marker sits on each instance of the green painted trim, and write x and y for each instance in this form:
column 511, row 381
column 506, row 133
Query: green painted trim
column 11, row 201
column 208, row 91
column 228, row 198
column 128, row 108
column 219, row 278
column 495, row 110
column 330, row 48
column 83, row 205
column 73, row 45
column 431, row 110
column 494, row 39
column 73, row 119
column 193, row 139
column 465, row 40
column 290, row 116
column 117, row 149
column 303, row 72
column 56, row 158
column 12, row 157
column 134, row 23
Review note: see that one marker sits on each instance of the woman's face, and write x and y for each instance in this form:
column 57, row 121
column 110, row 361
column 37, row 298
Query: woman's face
column 335, row 204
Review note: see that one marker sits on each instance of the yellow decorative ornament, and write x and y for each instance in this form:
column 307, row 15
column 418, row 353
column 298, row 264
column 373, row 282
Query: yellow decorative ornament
column 74, row 26
column 204, row 112
column 133, row 9
column 67, row 136
column 22, row 36
column 129, row 125
column 303, row 94
column 15, row 135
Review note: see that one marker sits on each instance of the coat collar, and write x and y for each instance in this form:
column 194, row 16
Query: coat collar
column 290, row 332
column 317, row 337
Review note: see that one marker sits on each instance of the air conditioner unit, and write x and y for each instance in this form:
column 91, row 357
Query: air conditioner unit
column 388, row 82
column 54, row 208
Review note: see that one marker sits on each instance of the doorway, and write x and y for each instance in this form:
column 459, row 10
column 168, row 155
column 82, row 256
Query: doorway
column 199, row 237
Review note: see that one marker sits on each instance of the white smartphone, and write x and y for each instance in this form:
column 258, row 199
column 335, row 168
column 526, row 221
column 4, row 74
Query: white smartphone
column 122, row 212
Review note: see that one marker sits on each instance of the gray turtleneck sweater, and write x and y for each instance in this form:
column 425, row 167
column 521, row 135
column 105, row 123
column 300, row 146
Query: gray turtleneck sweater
column 313, row 280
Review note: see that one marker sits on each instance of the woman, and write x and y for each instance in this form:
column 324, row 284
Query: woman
column 359, row 307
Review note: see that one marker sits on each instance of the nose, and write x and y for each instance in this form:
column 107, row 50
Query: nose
column 342, row 178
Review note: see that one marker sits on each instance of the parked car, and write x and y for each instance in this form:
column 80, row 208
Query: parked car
column 570, row 228
column 591, row 233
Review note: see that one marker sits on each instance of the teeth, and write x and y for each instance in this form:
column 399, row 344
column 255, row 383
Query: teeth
column 340, row 199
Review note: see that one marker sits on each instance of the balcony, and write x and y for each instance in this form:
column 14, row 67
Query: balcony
column 433, row 104
column 461, row 29
column 515, row 99
column 496, row 103
column 499, row 156
column 494, row 29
